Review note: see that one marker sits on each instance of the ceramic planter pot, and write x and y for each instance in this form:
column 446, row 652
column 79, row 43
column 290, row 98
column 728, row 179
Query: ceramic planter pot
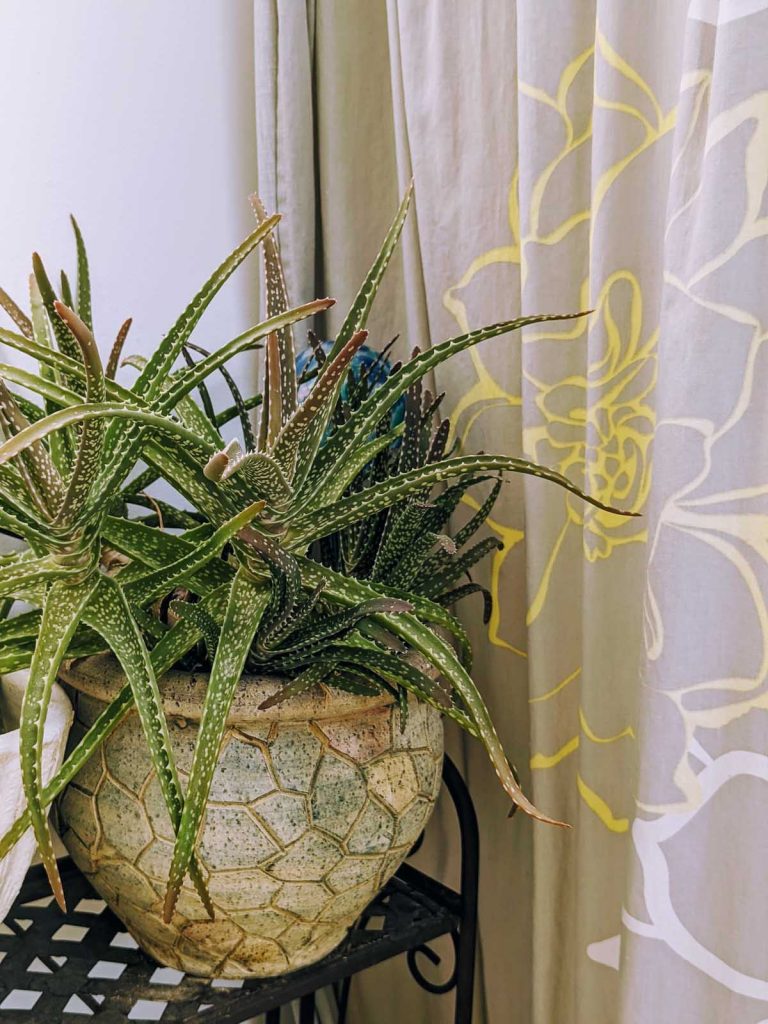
column 314, row 805
column 14, row 866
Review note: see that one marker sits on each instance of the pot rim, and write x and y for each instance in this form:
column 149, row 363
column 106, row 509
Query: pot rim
column 100, row 676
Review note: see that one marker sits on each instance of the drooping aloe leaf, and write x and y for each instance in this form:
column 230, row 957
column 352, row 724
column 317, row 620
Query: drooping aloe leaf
column 357, row 317
column 473, row 525
column 454, row 596
column 27, row 437
column 84, row 310
column 174, row 645
column 247, row 603
column 354, row 507
column 108, row 613
column 304, row 681
column 63, row 607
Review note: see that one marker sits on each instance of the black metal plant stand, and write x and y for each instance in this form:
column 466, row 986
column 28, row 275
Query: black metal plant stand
column 58, row 967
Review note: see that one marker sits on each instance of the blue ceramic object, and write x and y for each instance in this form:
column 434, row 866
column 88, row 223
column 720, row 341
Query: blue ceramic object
column 365, row 358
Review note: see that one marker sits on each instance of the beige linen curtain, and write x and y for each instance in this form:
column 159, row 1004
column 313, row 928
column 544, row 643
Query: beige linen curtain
column 572, row 155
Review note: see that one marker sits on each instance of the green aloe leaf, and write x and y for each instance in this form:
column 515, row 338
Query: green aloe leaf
column 27, row 437
column 357, row 317
column 113, row 363
column 477, row 520
column 91, row 441
column 16, row 314
column 280, row 368
column 338, row 482
column 83, row 278
column 63, row 607
column 109, row 614
column 349, row 510
column 300, row 438
column 443, row 573
column 155, row 373
column 64, row 340
column 154, row 584
column 36, row 467
column 304, row 681
column 190, row 378
column 363, row 422
column 174, row 645
column 17, row 576
column 247, row 603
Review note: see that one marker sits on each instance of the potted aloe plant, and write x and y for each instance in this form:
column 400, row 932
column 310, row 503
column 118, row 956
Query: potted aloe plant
column 260, row 672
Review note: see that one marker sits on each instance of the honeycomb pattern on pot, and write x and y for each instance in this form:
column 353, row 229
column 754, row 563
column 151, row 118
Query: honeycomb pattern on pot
column 306, row 822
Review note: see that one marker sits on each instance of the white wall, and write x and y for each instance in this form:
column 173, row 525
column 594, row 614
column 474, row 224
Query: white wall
column 137, row 116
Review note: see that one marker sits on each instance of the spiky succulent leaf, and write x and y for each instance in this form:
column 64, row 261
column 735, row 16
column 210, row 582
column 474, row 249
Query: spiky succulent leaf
column 109, row 614
column 247, row 603
column 357, row 317
column 84, row 310
column 63, row 607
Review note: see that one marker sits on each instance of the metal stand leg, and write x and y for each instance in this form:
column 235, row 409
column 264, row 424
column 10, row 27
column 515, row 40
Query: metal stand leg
column 470, row 853
column 307, row 1009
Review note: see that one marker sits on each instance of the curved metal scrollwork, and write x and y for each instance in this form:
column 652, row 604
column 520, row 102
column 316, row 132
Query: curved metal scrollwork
column 436, row 988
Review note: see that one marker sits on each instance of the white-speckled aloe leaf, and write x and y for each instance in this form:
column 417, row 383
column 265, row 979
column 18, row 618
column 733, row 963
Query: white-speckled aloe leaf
column 63, row 607
column 357, row 317
column 247, row 601
column 100, row 410
column 16, row 314
column 336, row 483
column 189, row 379
column 41, row 478
column 155, row 373
column 364, row 421
column 182, row 636
column 162, row 581
column 90, row 443
column 422, row 639
column 19, row 574
column 298, row 441
column 276, row 301
column 84, row 310
column 109, row 614
column 351, row 509
column 64, row 340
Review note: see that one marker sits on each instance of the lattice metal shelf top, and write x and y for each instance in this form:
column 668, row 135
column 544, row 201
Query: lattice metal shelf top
column 58, row 967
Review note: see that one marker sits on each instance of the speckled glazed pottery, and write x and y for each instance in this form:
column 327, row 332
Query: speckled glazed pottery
column 314, row 805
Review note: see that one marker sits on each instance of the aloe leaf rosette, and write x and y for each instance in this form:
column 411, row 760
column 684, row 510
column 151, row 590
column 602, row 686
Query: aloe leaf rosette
column 319, row 546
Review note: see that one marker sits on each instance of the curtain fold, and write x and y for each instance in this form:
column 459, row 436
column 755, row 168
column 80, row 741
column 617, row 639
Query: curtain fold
column 611, row 157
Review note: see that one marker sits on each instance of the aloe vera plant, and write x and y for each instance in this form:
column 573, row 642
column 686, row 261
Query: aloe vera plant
column 313, row 548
